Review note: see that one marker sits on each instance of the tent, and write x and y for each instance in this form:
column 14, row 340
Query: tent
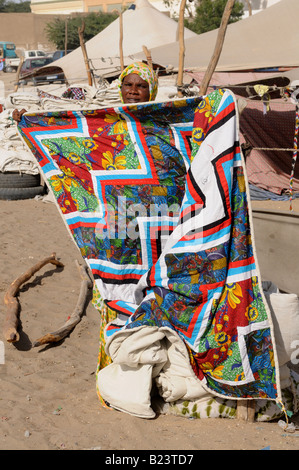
column 143, row 25
column 267, row 39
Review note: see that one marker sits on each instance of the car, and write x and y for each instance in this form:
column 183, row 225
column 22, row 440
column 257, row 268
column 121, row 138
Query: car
column 30, row 65
column 33, row 53
column 58, row 54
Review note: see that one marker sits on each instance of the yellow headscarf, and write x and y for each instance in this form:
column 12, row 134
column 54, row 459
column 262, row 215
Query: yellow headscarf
column 146, row 73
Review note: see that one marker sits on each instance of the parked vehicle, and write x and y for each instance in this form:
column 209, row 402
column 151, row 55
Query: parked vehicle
column 58, row 54
column 33, row 53
column 9, row 61
column 29, row 65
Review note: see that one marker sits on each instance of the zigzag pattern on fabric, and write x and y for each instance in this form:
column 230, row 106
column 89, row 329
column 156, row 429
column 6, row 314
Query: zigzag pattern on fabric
column 155, row 197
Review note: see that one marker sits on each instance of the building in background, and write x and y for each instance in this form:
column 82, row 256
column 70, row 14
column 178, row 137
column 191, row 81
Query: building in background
column 56, row 7
column 255, row 6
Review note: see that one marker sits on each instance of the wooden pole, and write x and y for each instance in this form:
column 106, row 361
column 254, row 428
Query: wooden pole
column 65, row 36
column 246, row 410
column 182, row 47
column 249, row 7
column 82, row 44
column 218, row 47
column 121, row 37
column 148, row 56
column 18, row 73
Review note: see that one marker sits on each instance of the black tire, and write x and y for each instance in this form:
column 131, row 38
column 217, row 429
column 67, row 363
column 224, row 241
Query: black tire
column 19, row 180
column 14, row 194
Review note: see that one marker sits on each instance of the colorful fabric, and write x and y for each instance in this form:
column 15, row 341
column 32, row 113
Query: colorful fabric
column 146, row 73
column 155, row 197
column 215, row 407
column 74, row 93
column 43, row 94
column 295, row 154
column 107, row 316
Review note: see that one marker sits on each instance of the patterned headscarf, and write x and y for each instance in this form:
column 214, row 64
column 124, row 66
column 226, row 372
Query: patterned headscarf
column 146, row 73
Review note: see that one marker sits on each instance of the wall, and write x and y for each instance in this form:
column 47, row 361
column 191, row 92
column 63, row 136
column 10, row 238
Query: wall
column 26, row 30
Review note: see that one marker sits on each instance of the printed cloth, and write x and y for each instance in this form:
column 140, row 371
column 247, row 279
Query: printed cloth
column 155, row 197
column 74, row 93
column 146, row 73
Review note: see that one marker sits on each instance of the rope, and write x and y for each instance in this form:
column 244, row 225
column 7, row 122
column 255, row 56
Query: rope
column 295, row 152
column 273, row 149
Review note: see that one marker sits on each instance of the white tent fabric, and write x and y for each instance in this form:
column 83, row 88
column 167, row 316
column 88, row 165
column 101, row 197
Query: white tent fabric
column 267, row 39
column 142, row 26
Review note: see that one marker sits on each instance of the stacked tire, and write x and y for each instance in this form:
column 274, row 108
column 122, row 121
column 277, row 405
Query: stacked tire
column 15, row 186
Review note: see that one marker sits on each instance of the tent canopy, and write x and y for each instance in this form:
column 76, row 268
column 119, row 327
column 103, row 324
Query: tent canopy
column 267, row 39
column 142, row 26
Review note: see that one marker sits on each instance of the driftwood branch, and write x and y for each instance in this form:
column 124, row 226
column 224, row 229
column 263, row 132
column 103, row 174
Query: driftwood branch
column 11, row 322
column 75, row 317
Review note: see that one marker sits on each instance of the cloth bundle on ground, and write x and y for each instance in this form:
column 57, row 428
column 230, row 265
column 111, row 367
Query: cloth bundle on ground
column 156, row 198
column 14, row 155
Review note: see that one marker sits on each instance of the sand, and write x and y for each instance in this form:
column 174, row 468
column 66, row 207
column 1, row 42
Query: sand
column 48, row 397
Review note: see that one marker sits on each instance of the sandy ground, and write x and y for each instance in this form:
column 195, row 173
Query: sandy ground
column 48, row 397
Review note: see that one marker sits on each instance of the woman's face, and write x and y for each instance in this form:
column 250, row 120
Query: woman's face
column 134, row 89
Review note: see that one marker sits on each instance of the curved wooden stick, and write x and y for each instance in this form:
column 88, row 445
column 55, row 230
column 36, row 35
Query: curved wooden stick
column 75, row 317
column 11, row 322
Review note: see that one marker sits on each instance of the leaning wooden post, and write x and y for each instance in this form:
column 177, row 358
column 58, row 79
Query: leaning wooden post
column 218, row 47
column 182, row 48
column 82, row 44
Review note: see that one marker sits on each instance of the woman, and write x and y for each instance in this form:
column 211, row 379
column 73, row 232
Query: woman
column 138, row 83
